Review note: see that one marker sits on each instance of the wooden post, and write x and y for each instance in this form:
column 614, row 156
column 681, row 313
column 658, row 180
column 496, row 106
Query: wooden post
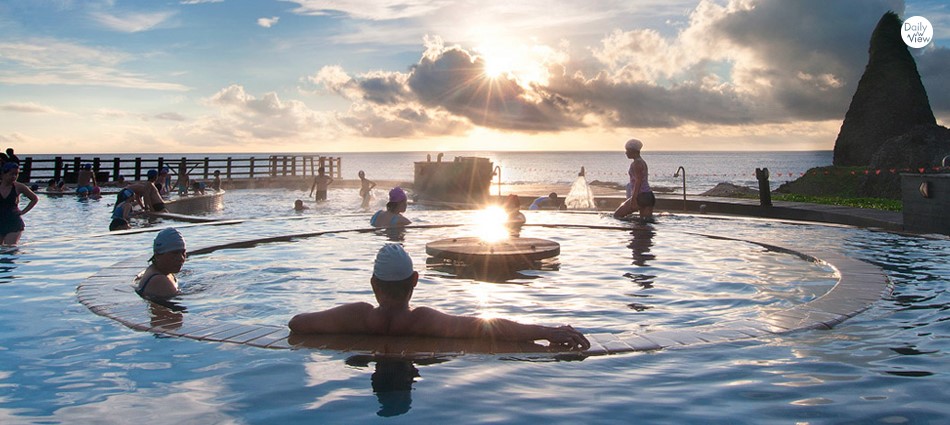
column 115, row 169
column 25, row 170
column 138, row 168
column 161, row 164
column 58, row 168
column 206, row 168
column 293, row 166
column 252, row 167
column 228, row 175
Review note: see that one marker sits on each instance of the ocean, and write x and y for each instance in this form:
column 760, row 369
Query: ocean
column 703, row 169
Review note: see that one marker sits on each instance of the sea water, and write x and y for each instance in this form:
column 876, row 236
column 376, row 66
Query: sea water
column 703, row 169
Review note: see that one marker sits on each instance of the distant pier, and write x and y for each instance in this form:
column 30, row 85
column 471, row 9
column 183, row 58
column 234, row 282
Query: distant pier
column 135, row 168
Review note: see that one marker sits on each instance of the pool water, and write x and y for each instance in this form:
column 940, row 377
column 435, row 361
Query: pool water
column 603, row 281
column 59, row 362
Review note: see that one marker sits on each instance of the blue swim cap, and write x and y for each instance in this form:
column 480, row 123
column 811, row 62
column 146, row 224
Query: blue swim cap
column 7, row 166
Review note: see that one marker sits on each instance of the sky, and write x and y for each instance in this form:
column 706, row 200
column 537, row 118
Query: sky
column 223, row 76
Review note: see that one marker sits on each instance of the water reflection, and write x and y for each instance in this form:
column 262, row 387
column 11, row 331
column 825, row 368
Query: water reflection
column 166, row 314
column 640, row 244
column 494, row 271
column 8, row 264
column 392, row 381
column 393, row 234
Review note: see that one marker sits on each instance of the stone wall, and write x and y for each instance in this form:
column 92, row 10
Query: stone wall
column 926, row 210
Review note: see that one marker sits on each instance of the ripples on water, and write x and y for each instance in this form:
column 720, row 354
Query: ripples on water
column 61, row 363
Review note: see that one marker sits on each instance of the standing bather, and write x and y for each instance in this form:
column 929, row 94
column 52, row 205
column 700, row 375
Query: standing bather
column 11, row 223
column 86, row 180
column 158, row 281
column 639, row 195
column 320, row 184
column 392, row 215
column 366, row 185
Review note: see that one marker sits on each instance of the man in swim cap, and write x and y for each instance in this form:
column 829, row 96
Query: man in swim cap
column 393, row 282
column 85, row 179
column 149, row 191
column 639, row 195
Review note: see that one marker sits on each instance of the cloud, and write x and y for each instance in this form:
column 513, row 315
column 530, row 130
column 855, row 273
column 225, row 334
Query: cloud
column 268, row 22
column 934, row 67
column 244, row 119
column 199, row 1
column 742, row 63
column 54, row 62
column 29, row 108
column 170, row 116
column 131, row 22
column 372, row 10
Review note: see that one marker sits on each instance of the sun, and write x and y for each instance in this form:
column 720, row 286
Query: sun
column 519, row 63
column 498, row 65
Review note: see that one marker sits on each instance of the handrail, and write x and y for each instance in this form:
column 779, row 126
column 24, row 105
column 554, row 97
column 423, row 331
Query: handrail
column 677, row 174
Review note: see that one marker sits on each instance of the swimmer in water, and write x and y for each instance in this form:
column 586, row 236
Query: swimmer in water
column 393, row 283
column 158, row 281
column 392, row 215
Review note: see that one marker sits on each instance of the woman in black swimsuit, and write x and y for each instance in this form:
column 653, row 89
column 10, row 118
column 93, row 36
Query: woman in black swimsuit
column 11, row 223
column 158, row 280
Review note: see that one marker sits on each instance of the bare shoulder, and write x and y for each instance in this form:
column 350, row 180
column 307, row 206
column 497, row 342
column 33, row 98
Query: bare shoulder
column 346, row 318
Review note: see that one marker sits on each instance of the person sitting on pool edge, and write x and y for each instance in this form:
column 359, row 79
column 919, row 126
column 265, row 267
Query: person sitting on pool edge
column 392, row 216
column 549, row 202
column 158, row 281
column 393, row 283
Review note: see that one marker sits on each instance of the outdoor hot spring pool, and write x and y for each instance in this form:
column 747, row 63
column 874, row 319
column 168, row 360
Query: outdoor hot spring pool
column 60, row 362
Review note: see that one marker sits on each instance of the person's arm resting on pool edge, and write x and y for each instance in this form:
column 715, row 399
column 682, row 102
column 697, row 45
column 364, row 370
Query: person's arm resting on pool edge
column 431, row 322
column 350, row 319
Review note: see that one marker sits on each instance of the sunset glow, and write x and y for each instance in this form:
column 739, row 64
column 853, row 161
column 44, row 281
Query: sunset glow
column 302, row 76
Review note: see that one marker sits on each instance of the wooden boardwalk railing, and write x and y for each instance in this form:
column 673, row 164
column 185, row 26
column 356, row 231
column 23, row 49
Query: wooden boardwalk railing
column 136, row 168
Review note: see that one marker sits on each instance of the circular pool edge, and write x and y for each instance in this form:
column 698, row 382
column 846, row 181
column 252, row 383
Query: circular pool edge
column 109, row 293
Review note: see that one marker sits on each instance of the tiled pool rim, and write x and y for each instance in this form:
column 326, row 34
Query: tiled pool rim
column 109, row 293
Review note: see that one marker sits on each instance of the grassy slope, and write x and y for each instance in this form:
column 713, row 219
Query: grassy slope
column 833, row 186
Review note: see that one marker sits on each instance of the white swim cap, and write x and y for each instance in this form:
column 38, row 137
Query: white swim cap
column 392, row 264
column 168, row 240
column 633, row 145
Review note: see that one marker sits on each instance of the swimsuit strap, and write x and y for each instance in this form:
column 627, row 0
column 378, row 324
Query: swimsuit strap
column 145, row 284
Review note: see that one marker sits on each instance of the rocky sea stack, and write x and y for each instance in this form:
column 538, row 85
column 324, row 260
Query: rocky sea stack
column 890, row 99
